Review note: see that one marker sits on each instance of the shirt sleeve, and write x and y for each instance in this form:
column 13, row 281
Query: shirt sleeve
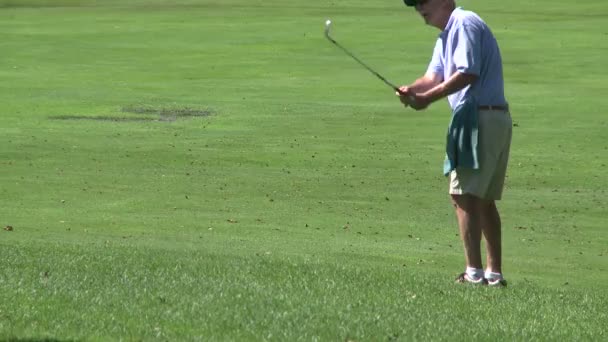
column 436, row 65
column 467, row 49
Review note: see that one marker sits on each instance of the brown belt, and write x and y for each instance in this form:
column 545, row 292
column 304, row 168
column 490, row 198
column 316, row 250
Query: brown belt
column 504, row 108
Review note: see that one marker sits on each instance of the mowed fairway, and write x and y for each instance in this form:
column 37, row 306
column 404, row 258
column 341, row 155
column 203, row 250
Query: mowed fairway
column 216, row 170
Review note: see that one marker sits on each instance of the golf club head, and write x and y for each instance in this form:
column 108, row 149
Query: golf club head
column 327, row 28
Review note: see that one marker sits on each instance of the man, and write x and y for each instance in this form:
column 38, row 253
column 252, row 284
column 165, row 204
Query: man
column 466, row 67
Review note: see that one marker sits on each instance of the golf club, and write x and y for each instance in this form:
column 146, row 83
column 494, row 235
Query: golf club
column 327, row 28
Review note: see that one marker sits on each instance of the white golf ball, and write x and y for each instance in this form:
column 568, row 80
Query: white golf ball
column 328, row 22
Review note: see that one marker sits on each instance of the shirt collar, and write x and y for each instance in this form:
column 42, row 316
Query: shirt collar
column 452, row 18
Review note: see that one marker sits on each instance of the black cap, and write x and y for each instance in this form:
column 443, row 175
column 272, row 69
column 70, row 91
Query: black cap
column 410, row 2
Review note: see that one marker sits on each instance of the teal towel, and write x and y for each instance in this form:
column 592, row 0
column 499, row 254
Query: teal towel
column 461, row 145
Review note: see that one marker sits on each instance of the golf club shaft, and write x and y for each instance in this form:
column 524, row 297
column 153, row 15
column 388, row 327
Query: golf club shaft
column 363, row 64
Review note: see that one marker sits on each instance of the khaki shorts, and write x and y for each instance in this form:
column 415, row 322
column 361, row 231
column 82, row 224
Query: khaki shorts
column 494, row 141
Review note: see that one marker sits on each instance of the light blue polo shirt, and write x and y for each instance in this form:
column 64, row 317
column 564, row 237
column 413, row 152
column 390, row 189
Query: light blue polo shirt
column 467, row 45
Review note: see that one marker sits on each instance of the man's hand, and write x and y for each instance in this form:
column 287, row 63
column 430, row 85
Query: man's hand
column 409, row 98
column 404, row 94
column 419, row 101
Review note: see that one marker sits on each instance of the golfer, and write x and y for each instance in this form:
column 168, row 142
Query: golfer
column 466, row 67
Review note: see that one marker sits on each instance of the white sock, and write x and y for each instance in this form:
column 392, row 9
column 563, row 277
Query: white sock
column 493, row 275
column 474, row 272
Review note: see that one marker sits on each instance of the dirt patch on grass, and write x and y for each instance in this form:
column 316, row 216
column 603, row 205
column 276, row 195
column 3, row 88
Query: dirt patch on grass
column 41, row 3
column 146, row 113
column 100, row 118
column 179, row 112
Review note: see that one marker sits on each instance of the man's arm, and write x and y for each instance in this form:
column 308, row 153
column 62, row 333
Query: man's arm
column 424, row 83
column 456, row 82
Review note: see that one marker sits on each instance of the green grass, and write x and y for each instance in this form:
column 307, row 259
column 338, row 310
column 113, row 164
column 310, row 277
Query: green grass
column 215, row 170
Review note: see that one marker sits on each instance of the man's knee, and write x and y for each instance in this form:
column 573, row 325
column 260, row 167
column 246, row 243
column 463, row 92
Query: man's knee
column 471, row 203
column 463, row 202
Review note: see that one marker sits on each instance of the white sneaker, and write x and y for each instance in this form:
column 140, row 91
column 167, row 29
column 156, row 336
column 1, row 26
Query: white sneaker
column 498, row 282
column 495, row 279
column 465, row 278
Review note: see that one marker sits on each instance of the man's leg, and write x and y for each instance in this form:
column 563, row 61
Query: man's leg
column 468, row 213
column 491, row 228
